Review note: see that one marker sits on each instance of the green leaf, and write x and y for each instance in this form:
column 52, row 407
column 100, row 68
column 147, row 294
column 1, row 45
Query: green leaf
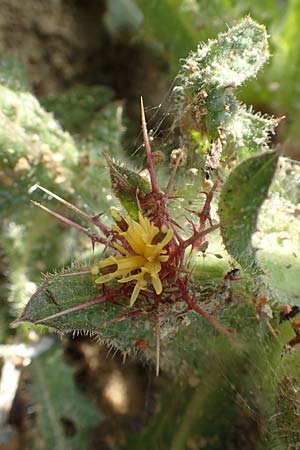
column 226, row 61
column 205, row 90
column 125, row 185
column 237, row 54
column 278, row 241
column 60, row 292
column 67, row 290
column 63, row 416
column 288, row 401
column 242, row 196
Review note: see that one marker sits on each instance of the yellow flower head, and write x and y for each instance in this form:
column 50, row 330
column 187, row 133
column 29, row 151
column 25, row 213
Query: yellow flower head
column 141, row 259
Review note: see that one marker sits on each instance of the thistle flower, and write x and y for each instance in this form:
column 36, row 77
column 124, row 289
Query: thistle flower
column 143, row 254
column 147, row 254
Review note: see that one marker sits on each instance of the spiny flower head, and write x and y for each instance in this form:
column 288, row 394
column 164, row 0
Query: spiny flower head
column 142, row 250
column 148, row 256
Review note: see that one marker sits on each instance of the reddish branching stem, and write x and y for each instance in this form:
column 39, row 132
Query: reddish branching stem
column 94, row 220
column 205, row 213
column 198, row 235
column 93, row 236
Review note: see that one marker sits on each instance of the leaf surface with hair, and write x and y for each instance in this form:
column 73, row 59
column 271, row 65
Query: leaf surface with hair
column 242, row 196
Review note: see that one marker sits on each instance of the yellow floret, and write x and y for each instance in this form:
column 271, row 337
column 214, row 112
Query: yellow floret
column 143, row 263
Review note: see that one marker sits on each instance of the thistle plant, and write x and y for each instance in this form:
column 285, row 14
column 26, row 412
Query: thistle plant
column 150, row 253
column 150, row 259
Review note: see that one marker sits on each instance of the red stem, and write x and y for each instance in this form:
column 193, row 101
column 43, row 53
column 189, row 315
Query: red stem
column 93, row 236
column 211, row 320
column 93, row 302
column 105, row 230
column 198, row 235
column 85, row 216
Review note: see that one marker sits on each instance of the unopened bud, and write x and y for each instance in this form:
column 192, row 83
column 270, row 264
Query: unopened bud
column 178, row 154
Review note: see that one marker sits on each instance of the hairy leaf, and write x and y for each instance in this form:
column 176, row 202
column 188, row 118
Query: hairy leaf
column 51, row 305
column 242, row 196
column 205, row 90
column 288, row 56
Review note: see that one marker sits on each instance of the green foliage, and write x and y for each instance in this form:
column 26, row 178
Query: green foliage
column 33, row 148
column 205, row 90
column 64, row 416
column 288, row 402
column 242, row 196
column 215, row 376
column 67, row 290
